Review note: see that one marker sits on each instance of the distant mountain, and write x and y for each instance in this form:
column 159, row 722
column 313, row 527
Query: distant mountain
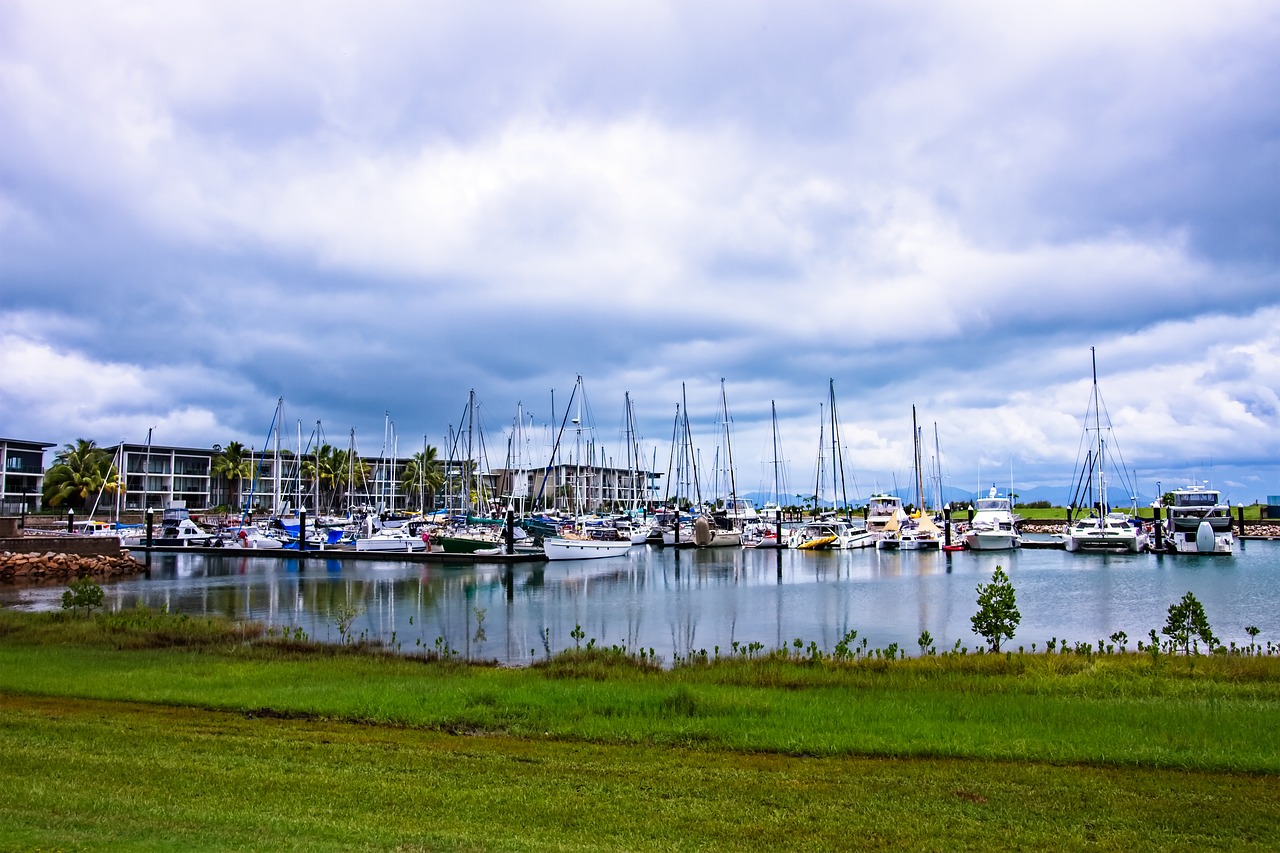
column 1055, row 495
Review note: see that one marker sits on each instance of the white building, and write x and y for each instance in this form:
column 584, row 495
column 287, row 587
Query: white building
column 21, row 475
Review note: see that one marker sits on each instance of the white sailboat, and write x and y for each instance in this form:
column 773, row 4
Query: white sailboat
column 763, row 531
column 917, row 532
column 1101, row 529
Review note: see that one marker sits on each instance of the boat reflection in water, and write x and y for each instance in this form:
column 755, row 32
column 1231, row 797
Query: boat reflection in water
column 682, row 601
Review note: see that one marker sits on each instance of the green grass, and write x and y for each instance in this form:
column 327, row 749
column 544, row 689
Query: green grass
column 161, row 732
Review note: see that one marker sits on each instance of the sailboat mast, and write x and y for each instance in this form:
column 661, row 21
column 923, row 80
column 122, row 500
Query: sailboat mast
column 466, row 462
column 915, row 434
column 837, row 454
column 297, row 483
column 777, row 482
column 728, row 445
column 316, row 484
column 275, row 459
column 1097, row 422
column 688, row 443
column 817, row 483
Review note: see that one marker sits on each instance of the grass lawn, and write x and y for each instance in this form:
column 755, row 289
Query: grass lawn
column 186, row 734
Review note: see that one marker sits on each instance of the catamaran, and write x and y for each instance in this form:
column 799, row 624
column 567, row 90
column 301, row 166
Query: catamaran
column 1102, row 529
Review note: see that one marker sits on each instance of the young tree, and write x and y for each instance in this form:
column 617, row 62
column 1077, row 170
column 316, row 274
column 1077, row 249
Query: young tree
column 997, row 617
column 83, row 592
column 1186, row 622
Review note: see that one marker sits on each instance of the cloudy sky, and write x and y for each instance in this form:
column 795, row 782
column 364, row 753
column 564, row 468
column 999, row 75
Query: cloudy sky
column 372, row 208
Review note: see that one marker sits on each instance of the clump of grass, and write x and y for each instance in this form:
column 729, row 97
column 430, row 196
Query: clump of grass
column 598, row 663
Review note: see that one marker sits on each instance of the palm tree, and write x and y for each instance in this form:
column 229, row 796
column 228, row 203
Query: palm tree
column 422, row 475
column 234, row 464
column 338, row 471
column 80, row 470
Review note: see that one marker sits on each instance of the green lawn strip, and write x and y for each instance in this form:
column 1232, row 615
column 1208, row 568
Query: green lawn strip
column 898, row 710
column 86, row 774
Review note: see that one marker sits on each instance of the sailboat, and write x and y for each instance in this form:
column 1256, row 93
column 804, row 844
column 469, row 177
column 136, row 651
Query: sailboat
column 1101, row 529
column 832, row 532
column 706, row 530
column 918, row 532
column 763, row 533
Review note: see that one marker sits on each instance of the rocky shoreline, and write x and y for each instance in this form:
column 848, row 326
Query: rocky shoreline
column 1252, row 529
column 61, row 566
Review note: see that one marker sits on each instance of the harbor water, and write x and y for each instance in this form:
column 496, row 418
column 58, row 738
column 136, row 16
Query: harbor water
column 678, row 602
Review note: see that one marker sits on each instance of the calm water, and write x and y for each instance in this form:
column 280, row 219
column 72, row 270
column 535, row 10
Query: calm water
column 675, row 602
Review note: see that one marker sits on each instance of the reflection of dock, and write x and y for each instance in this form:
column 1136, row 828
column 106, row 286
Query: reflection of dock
column 1044, row 540
column 344, row 554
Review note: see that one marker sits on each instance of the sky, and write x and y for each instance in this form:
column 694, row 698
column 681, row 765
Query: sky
column 372, row 209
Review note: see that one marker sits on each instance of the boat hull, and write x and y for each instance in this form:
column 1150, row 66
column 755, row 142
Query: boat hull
column 1205, row 540
column 374, row 543
column 584, row 549
column 991, row 541
column 463, row 544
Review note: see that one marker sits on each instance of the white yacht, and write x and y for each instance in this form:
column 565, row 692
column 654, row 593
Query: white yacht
column 392, row 539
column 178, row 533
column 570, row 547
column 1198, row 522
column 992, row 527
column 882, row 511
column 836, row 534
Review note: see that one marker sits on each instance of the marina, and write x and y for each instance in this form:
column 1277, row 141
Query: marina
column 679, row 601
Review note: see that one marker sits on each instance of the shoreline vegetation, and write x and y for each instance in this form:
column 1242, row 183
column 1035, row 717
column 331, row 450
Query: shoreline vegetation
column 149, row 729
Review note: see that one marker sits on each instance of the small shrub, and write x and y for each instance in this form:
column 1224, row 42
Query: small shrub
column 344, row 616
column 82, row 593
column 997, row 617
column 1187, row 622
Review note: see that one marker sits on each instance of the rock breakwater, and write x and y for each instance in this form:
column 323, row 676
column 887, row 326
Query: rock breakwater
column 58, row 566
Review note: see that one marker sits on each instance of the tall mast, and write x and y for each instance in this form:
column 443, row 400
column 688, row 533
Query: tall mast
column 837, row 454
column 915, row 434
column 673, row 465
column 777, row 482
column 728, row 446
column 688, row 441
column 1097, row 422
column 466, row 463
column 351, row 468
column 817, row 483
column 316, row 484
column 275, row 460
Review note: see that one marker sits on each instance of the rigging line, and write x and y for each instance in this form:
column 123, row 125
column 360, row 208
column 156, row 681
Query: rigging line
column 556, row 446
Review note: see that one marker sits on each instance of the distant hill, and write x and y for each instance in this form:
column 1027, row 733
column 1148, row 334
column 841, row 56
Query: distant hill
column 1055, row 495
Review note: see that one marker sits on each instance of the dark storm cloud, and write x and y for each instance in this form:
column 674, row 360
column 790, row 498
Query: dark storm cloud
column 379, row 209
